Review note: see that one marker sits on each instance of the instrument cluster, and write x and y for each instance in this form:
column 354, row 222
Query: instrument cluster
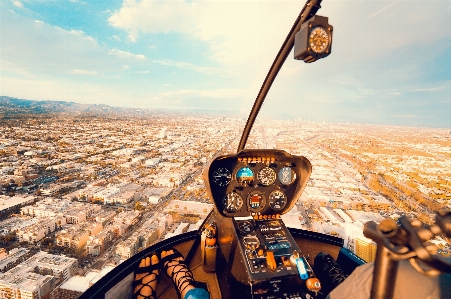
column 257, row 182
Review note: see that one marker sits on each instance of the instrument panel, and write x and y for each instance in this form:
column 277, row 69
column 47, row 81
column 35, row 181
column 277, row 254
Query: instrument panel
column 257, row 182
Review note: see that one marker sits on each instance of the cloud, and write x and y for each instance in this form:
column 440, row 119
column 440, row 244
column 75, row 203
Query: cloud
column 125, row 54
column 17, row 3
column 41, row 48
column 430, row 89
column 7, row 66
column 381, row 10
column 62, row 90
column 187, row 66
column 85, row 72
column 236, row 31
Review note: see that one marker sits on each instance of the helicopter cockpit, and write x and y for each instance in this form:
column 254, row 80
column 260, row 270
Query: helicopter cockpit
column 253, row 255
column 244, row 249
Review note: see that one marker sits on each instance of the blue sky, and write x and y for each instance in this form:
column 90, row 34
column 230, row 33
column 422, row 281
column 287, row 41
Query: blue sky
column 390, row 61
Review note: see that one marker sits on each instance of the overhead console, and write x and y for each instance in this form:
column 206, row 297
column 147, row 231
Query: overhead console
column 258, row 183
column 251, row 190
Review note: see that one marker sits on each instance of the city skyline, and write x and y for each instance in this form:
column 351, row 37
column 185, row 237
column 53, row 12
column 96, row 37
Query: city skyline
column 389, row 62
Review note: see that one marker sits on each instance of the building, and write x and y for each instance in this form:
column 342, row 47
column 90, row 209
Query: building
column 21, row 282
column 36, row 232
column 72, row 238
column 74, row 216
column 356, row 242
column 77, row 285
column 36, row 277
column 105, row 195
column 61, row 266
column 127, row 248
column 14, row 258
column 189, row 207
column 98, row 243
column 12, row 205
column 365, row 250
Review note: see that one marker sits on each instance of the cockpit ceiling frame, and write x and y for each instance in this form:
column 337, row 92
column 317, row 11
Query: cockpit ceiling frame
column 309, row 10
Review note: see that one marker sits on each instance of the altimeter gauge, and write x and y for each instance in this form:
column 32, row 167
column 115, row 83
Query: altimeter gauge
column 232, row 202
column 266, row 176
column 222, row 176
column 277, row 200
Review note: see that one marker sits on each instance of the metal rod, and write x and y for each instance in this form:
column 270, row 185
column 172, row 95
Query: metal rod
column 384, row 274
column 309, row 10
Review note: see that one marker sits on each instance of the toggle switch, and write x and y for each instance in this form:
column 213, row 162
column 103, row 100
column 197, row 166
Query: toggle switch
column 271, row 261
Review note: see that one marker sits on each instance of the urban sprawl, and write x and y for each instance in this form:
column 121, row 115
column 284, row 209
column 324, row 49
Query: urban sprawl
column 80, row 195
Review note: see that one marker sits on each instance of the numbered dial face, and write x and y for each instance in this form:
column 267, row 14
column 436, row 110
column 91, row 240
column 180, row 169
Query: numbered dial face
column 319, row 39
column 233, row 202
column 286, row 175
column 277, row 200
column 266, row 176
column 244, row 176
column 251, row 242
column 246, row 227
column 256, row 200
column 222, row 176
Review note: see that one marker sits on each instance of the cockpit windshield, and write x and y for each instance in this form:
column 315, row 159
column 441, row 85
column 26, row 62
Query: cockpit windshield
column 113, row 111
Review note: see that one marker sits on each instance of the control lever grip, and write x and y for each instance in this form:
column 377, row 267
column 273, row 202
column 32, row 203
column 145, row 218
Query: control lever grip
column 300, row 265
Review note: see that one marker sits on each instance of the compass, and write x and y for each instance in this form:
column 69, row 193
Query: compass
column 319, row 39
column 314, row 40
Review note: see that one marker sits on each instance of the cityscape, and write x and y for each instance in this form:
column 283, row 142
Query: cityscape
column 83, row 192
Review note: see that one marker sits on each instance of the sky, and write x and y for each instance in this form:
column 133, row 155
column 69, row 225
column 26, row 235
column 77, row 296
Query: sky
column 390, row 61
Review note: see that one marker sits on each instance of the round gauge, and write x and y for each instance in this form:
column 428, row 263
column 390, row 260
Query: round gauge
column 256, row 200
column 266, row 176
column 319, row 40
column 244, row 176
column 222, row 176
column 286, row 175
column 251, row 242
column 277, row 200
column 232, row 202
column 245, row 226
